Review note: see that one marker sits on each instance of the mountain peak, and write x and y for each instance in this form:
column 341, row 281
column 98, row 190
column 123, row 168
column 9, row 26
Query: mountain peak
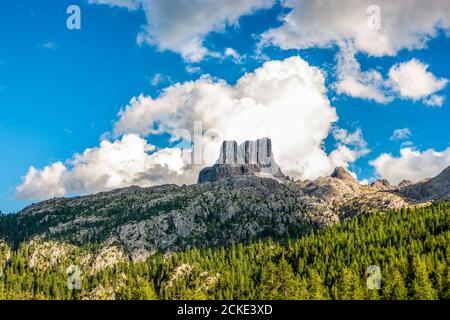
column 405, row 183
column 382, row 184
column 251, row 158
column 342, row 174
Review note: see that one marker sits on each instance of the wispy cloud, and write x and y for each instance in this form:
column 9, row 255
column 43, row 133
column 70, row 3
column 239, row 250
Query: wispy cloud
column 401, row 134
column 193, row 69
column 49, row 45
column 160, row 78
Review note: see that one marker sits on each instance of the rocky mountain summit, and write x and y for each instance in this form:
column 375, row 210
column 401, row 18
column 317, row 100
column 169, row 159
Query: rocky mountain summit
column 234, row 202
column 251, row 158
column 382, row 184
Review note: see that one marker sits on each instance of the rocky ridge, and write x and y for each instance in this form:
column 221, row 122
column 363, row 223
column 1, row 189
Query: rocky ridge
column 429, row 189
column 233, row 203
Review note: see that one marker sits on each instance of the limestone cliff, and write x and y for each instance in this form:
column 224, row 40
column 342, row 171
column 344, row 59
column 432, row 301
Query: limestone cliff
column 251, row 158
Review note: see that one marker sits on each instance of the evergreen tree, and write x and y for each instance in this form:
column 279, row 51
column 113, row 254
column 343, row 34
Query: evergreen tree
column 393, row 286
column 143, row 290
column 410, row 246
column 316, row 288
column 348, row 286
column 421, row 286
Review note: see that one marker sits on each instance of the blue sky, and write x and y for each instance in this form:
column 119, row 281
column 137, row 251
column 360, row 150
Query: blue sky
column 61, row 90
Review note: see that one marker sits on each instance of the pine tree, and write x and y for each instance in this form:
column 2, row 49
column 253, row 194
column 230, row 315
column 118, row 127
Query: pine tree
column 2, row 291
column 348, row 286
column 290, row 285
column 421, row 286
column 316, row 288
column 143, row 290
column 393, row 286
column 446, row 285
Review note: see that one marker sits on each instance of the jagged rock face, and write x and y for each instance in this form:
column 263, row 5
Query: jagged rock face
column 248, row 159
column 404, row 183
column 338, row 185
column 50, row 253
column 327, row 194
column 258, row 152
column 342, row 174
column 382, row 184
column 370, row 201
column 138, row 222
column 221, row 172
column 166, row 218
column 340, row 196
column 430, row 189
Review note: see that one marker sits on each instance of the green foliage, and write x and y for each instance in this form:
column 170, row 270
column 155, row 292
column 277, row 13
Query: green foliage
column 410, row 246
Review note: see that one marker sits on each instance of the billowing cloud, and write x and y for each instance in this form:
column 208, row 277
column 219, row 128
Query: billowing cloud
column 380, row 28
column 412, row 81
column 408, row 80
column 377, row 29
column 124, row 162
column 45, row 183
column 181, row 26
column 412, row 164
column 285, row 100
column 352, row 81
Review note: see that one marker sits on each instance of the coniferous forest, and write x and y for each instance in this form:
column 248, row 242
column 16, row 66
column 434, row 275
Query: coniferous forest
column 411, row 248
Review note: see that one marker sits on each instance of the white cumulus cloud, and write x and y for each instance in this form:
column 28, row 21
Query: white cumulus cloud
column 407, row 80
column 402, row 24
column 124, row 162
column 352, row 81
column 375, row 28
column 129, row 4
column 355, row 139
column 412, row 164
column 45, row 183
column 284, row 100
column 234, row 55
column 412, row 80
column 181, row 26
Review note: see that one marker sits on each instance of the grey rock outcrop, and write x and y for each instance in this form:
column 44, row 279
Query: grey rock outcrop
column 170, row 218
column 134, row 223
column 430, row 189
column 404, row 183
column 339, row 184
column 381, row 185
column 340, row 196
column 251, row 158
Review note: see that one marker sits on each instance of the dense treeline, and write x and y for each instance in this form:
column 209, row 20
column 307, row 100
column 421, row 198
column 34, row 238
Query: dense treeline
column 410, row 247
